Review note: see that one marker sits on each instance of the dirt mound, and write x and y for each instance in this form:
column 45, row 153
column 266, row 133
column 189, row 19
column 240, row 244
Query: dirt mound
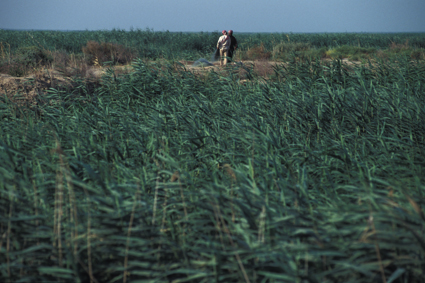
column 28, row 87
column 18, row 88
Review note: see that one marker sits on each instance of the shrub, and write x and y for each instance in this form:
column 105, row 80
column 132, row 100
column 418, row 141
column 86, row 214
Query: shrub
column 283, row 48
column 60, row 58
column 351, row 52
column 314, row 53
column 33, row 56
column 107, row 51
column 332, row 53
column 397, row 47
column 257, row 53
column 26, row 59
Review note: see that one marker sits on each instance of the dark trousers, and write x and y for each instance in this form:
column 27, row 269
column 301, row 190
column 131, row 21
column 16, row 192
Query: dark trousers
column 231, row 51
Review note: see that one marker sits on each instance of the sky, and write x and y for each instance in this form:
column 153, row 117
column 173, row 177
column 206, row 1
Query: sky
column 215, row 15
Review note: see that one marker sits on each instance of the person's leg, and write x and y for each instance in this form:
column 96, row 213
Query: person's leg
column 230, row 55
column 222, row 54
column 226, row 54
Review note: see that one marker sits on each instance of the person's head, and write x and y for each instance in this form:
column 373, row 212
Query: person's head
column 224, row 32
column 230, row 32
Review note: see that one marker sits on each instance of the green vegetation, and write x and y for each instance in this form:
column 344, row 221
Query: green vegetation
column 161, row 175
column 147, row 43
column 351, row 52
column 314, row 173
column 81, row 48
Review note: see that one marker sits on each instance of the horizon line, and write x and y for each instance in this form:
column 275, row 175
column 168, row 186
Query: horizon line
column 241, row 32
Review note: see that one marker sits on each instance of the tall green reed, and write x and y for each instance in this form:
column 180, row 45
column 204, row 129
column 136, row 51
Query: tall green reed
column 160, row 174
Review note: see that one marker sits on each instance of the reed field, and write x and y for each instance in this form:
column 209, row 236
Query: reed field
column 313, row 173
column 64, row 48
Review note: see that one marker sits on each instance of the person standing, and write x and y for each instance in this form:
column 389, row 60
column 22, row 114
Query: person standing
column 233, row 44
column 223, row 45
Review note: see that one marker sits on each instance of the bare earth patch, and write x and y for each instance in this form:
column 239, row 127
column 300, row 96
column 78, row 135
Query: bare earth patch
column 28, row 87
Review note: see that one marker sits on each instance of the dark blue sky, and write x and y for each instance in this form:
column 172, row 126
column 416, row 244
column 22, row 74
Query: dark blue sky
column 213, row 15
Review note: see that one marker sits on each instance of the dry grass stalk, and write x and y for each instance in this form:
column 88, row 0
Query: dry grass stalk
column 58, row 212
column 158, row 255
column 35, row 209
column 90, row 267
column 262, row 225
column 72, row 208
column 416, row 207
column 232, row 175
column 2, row 50
column 96, row 62
column 88, row 242
column 155, row 200
column 9, row 231
column 217, row 223
column 126, row 273
column 164, row 211
column 253, row 161
column 63, row 171
column 378, row 252
column 366, row 234
column 176, row 176
column 229, row 235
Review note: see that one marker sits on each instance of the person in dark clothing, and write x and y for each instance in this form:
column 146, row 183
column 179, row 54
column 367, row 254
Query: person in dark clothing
column 233, row 44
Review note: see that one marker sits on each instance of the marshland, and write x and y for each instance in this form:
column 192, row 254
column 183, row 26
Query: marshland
column 121, row 162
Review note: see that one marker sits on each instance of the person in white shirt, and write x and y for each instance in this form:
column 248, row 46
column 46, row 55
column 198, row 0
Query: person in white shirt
column 223, row 45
